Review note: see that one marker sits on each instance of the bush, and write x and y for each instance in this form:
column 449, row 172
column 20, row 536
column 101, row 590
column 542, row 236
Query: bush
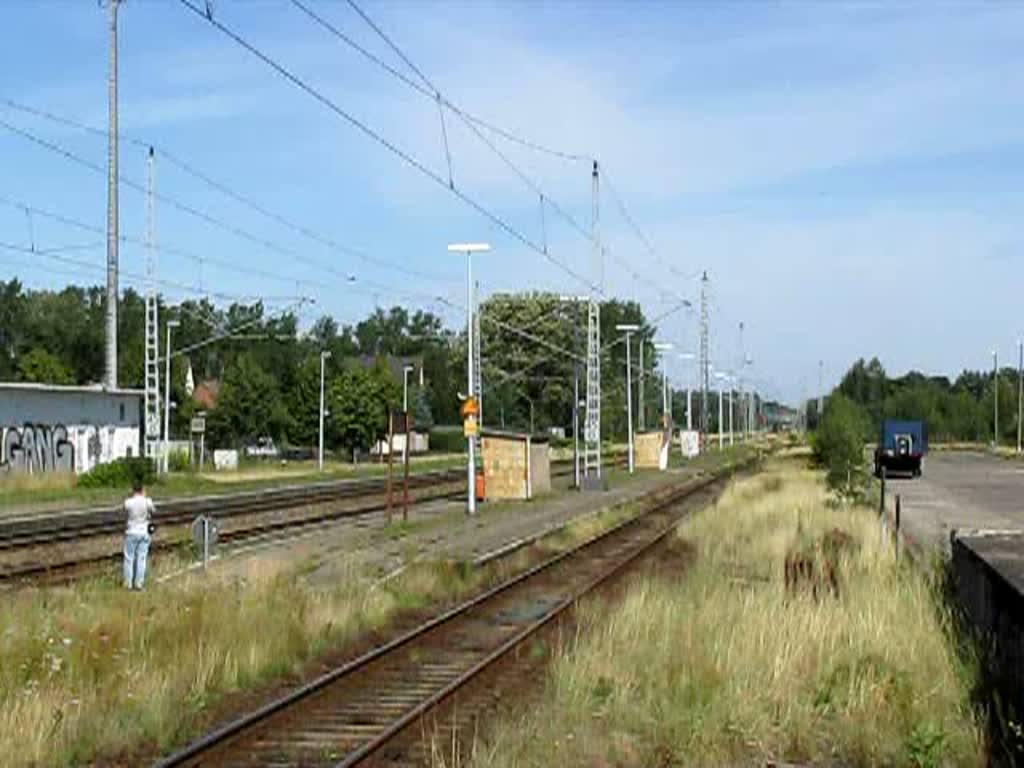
column 121, row 473
column 839, row 444
column 178, row 461
column 447, row 440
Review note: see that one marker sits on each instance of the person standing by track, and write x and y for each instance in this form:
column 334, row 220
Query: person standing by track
column 139, row 510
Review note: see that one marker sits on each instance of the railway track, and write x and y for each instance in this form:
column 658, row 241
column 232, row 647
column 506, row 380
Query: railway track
column 366, row 711
column 361, row 498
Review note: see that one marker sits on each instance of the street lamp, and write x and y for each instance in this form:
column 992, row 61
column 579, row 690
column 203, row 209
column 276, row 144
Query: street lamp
column 167, row 395
column 995, row 400
column 628, row 329
column 689, row 393
column 576, row 404
column 721, row 435
column 406, row 369
column 1020, row 388
column 469, row 249
column 666, row 396
column 324, row 356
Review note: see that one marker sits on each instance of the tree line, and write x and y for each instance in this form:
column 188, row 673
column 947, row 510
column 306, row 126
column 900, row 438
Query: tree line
column 267, row 368
column 957, row 410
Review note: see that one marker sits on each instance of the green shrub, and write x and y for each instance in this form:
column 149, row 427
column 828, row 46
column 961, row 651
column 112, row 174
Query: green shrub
column 839, row 444
column 447, row 439
column 178, row 461
column 119, row 474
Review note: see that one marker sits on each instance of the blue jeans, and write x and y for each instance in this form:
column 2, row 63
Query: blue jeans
column 136, row 548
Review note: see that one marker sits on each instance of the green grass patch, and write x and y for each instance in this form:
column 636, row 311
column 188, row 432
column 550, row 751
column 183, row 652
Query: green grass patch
column 723, row 665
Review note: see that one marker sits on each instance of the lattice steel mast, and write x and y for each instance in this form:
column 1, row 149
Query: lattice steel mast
column 592, row 428
column 152, row 384
column 705, row 357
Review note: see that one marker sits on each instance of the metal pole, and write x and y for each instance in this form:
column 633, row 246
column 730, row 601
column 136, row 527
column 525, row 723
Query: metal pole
column 721, row 435
column 471, row 462
column 1020, row 388
column 995, row 398
column 320, row 452
column 821, row 394
column 112, row 214
column 665, row 400
column 629, row 405
column 167, row 397
column 641, row 421
column 689, row 409
column 576, row 428
column 405, row 390
column 730, row 414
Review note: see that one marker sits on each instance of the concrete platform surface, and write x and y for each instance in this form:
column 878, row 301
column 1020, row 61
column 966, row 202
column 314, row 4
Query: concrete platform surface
column 959, row 491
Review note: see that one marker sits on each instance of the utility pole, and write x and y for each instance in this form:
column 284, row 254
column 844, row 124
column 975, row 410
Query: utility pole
column 1020, row 388
column 705, row 361
column 592, row 428
column 112, row 215
column 151, row 406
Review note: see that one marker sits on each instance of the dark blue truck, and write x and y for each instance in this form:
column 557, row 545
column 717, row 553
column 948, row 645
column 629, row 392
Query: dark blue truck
column 901, row 447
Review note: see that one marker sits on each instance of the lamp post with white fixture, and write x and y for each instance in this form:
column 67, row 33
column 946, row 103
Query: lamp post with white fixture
column 406, row 370
column 469, row 249
column 689, row 393
column 628, row 329
column 167, row 397
column 324, row 356
column 666, row 396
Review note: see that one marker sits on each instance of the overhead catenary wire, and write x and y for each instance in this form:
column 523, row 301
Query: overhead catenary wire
column 137, row 279
column 233, row 194
column 159, row 248
column 389, row 145
column 429, row 90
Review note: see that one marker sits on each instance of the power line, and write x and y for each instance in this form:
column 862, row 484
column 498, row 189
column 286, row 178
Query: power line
column 170, row 250
column 227, row 191
column 431, row 91
column 407, row 158
column 56, row 255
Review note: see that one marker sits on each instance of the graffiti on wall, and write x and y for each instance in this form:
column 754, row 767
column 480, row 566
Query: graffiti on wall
column 36, row 448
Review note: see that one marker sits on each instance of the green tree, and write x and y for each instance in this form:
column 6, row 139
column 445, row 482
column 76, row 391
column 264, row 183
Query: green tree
column 839, row 443
column 42, row 367
column 360, row 399
column 304, row 402
column 250, row 405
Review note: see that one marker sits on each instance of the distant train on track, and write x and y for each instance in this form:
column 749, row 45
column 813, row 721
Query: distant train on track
column 901, row 447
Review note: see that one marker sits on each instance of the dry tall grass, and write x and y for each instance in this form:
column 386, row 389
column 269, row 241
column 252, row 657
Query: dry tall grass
column 724, row 667
column 93, row 669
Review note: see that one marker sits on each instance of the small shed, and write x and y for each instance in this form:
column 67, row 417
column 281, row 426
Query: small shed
column 648, row 447
column 516, row 465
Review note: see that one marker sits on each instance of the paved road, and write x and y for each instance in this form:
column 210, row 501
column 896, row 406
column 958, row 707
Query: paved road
column 965, row 491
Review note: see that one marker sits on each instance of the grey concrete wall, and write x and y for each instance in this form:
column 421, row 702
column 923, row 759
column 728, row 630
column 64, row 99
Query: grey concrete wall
column 989, row 576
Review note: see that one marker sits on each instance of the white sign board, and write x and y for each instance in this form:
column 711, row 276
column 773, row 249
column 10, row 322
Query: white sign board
column 225, row 459
column 689, row 443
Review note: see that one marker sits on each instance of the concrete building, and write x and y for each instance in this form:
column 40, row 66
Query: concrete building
column 50, row 428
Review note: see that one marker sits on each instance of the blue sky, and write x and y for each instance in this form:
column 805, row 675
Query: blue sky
column 847, row 174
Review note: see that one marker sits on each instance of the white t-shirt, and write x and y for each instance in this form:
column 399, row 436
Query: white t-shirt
column 139, row 509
